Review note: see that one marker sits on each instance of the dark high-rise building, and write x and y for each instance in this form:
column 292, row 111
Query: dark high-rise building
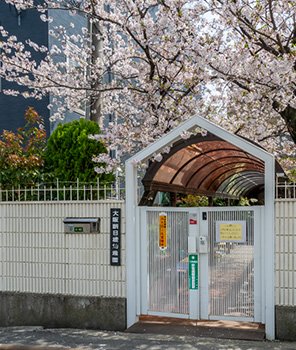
column 26, row 24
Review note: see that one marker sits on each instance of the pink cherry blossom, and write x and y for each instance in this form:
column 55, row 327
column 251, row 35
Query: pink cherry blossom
column 148, row 65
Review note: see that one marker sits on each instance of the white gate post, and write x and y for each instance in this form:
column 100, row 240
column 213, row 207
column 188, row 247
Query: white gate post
column 269, row 243
column 131, row 202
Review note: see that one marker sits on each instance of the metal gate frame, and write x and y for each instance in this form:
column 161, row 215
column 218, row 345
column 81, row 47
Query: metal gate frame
column 133, row 216
column 199, row 299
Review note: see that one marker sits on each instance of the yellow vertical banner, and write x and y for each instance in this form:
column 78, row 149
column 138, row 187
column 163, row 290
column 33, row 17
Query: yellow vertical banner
column 162, row 242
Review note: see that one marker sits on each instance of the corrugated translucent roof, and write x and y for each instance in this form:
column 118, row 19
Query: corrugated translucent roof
column 207, row 165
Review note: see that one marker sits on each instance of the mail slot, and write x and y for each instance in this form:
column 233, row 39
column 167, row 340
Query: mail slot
column 82, row 225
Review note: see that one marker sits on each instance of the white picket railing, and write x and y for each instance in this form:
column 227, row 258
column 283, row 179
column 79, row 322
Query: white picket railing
column 285, row 189
column 37, row 256
column 61, row 190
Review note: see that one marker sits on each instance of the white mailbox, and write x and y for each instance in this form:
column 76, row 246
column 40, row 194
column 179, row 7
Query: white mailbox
column 82, row 225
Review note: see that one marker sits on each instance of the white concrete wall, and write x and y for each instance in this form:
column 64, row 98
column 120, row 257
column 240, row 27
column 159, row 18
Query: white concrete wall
column 285, row 250
column 37, row 256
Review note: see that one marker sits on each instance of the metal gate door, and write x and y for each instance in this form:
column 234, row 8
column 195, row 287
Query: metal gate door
column 227, row 244
column 167, row 264
column 233, row 264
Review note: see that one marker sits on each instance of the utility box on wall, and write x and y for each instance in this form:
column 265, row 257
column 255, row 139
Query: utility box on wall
column 82, row 225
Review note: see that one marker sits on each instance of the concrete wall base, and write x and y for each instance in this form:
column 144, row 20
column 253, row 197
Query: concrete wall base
column 285, row 318
column 62, row 311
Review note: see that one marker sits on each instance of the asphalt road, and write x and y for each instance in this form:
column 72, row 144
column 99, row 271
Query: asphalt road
column 37, row 338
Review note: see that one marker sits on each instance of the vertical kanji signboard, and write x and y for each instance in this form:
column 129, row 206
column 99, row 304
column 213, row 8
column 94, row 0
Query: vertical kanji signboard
column 115, row 230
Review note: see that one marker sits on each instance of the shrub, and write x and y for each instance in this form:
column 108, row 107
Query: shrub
column 21, row 153
column 69, row 152
column 193, row 200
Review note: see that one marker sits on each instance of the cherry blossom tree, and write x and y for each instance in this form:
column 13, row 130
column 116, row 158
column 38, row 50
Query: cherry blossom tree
column 256, row 62
column 147, row 65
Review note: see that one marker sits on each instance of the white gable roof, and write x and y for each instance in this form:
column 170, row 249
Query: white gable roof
column 197, row 121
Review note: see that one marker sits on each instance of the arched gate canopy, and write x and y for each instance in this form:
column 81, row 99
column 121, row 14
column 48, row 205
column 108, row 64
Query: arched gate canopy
column 206, row 165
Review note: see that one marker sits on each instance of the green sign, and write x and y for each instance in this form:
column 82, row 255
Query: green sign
column 193, row 271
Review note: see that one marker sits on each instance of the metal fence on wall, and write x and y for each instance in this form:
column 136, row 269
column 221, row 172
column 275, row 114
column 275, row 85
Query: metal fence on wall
column 37, row 256
column 285, row 228
column 285, row 190
column 61, row 190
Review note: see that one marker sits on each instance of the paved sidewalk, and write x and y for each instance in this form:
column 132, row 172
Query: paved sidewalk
column 37, row 338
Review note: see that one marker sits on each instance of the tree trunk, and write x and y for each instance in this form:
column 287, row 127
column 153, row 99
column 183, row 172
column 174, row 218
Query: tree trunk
column 289, row 116
column 96, row 102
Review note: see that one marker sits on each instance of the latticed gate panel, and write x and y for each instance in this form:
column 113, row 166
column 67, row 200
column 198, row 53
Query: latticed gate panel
column 231, row 268
column 168, row 268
